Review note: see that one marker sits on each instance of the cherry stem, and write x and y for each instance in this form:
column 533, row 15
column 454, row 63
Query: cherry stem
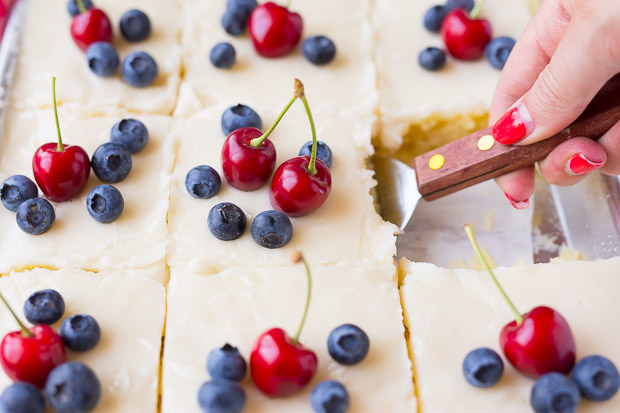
column 60, row 147
column 477, row 8
column 300, row 258
column 80, row 6
column 312, row 165
column 256, row 142
column 22, row 327
column 470, row 234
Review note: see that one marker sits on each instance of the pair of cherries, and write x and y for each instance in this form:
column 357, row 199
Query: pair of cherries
column 90, row 26
column 299, row 186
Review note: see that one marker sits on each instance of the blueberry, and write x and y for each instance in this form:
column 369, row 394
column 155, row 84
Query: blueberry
column 80, row 332
column 111, row 162
column 597, row 378
column 15, row 190
column 243, row 7
column 223, row 55
column 44, row 307
column 432, row 58
column 233, row 22
column 226, row 363
column 105, row 203
column 498, row 50
column 72, row 387
column 348, row 344
column 240, row 116
column 135, row 25
column 329, row 396
column 226, row 221
column 483, row 367
column 102, row 59
column 131, row 134
column 554, row 393
column 35, row 216
column 319, row 50
column 322, row 152
column 272, row 229
column 139, row 69
column 22, row 397
column 434, row 17
column 221, row 396
column 466, row 5
column 203, row 182
column 73, row 8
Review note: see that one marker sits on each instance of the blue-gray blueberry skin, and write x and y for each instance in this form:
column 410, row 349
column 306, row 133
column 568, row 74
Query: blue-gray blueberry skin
column 131, row 134
column 323, row 152
column 72, row 387
column 22, row 397
column 498, row 50
column 203, row 182
column 105, row 203
column 223, row 55
column 102, row 59
column 73, row 9
column 348, row 344
column 221, row 396
column 597, row 378
column 226, row 221
column 15, row 190
column 555, row 393
column 329, row 396
column 272, row 229
column 111, row 162
column 226, row 363
column 135, row 25
column 44, row 307
column 139, row 69
column 35, row 216
column 80, row 332
column 240, row 116
column 483, row 367
column 434, row 17
column 432, row 59
column 319, row 50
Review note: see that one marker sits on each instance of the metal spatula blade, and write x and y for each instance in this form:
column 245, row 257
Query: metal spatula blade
column 396, row 192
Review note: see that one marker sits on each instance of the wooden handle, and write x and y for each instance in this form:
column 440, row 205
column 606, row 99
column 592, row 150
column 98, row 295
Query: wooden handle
column 466, row 165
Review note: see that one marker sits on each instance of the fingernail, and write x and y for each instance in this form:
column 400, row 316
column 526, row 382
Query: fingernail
column 580, row 165
column 518, row 204
column 514, row 126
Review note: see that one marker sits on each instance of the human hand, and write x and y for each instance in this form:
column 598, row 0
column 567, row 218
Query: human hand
column 563, row 58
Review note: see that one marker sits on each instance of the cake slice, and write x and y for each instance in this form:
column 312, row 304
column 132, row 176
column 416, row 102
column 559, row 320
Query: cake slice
column 451, row 312
column 47, row 50
column 420, row 110
column 130, row 311
column 344, row 229
column 237, row 305
column 345, row 85
column 136, row 240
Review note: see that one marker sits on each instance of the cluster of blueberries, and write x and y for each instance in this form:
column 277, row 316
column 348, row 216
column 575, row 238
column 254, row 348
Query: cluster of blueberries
column 227, row 221
column 111, row 163
column 319, row 50
column 434, row 58
column 139, row 69
column 594, row 378
column 347, row 345
column 71, row 386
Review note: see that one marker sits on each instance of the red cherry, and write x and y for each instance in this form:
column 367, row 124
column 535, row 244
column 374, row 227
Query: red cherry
column 297, row 192
column 541, row 344
column 91, row 26
column 274, row 30
column 31, row 359
column 247, row 167
column 465, row 38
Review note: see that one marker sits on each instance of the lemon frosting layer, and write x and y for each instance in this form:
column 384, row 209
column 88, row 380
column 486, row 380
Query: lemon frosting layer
column 451, row 312
column 237, row 305
column 344, row 229
column 130, row 311
column 47, row 50
column 136, row 240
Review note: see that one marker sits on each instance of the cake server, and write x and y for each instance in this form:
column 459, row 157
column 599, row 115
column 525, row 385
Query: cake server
column 477, row 158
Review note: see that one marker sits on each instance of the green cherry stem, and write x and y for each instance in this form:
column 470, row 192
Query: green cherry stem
column 60, row 147
column 300, row 258
column 470, row 234
column 22, row 327
column 477, row 8
column 312, row 165
column 80, row 6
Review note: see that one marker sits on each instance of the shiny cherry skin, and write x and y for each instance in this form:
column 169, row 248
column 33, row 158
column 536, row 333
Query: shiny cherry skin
column 465, row 38
column 274, row 30
column 31, row 359
column 245, row 167
column 61, row 175
column 89, row 27
column 541, row 344
column 278, row 366
column 297, row 192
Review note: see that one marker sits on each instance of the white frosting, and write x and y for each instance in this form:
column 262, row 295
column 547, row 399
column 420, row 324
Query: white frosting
column 451, row 312
column 47, row 50
column 237, row 305
column 344, row 229
column 130, row 311
column 409, row 93
column 136, row 240
column 347, row 84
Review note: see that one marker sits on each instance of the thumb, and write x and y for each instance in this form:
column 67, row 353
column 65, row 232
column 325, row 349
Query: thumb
column 577, row 70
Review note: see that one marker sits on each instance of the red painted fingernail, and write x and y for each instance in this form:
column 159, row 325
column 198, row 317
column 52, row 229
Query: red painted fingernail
column 518, row 204
column 515, row 125
column 580, row 165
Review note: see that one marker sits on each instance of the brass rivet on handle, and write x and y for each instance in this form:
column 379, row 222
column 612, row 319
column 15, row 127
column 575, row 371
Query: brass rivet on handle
column 486, row 142
column 436, row 161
